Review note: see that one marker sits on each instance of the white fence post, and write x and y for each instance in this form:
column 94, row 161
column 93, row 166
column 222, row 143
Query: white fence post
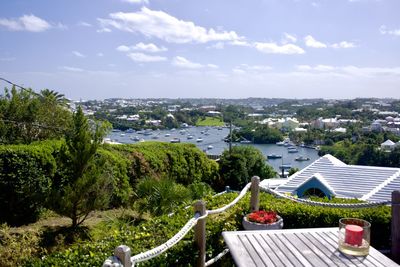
column 255, row 193
column 123, row 253
column 200, row 233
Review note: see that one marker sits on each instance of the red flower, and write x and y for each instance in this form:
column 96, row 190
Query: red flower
column 262, row 216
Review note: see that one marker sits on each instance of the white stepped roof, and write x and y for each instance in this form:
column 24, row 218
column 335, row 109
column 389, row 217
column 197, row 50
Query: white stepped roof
column 348, row 181
column 388, row 143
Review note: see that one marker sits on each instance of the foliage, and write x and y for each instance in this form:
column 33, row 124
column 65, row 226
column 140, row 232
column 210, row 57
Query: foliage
column 210, row 121
column 153, row 232
column 81, row 185
column 260, row 134
column 181, row 163
column 243, row 162
column 160, row 196
column 26, row 116
column 25, row 181
column 293, row 171
column 17, row 248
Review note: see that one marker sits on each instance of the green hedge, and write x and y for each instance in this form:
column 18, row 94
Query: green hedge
column 25, row 181
column 182, row 163
column 153, row 232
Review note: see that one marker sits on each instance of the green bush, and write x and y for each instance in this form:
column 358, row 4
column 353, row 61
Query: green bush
column 181, row 163
column 241, row 163
column 25, row 181
column 155, row 231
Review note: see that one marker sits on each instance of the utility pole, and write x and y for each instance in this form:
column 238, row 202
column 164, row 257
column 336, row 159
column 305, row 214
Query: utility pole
column 230, row 137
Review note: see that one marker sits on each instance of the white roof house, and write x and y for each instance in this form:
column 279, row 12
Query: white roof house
column 388, row 145
column 332, row 177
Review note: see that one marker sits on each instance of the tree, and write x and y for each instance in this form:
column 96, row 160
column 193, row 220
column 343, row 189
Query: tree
column 81, row 186
column 237, row 167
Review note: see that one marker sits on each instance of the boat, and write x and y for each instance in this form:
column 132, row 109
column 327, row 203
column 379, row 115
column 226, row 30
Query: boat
column 154, row 137
column 280, row 143
column 274, row 156
column 285, row 166
column 122, row 134
column 302, row 158
column 190, row 137
column 116, row 130
column 199, row 140
column 245, row 142
column 167, row 135
column 210, row 147
column 130, row 130
column 148, row 132
column 136, row 138
column 175, row 140
column 292, row 149
column 182, row 131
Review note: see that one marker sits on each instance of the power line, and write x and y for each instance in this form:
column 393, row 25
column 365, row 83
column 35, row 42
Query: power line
column 19, row 86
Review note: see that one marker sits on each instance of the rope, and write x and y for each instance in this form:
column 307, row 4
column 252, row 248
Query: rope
column 326, row 204
column 236, row 200
column 170, row 243
column 217, row 258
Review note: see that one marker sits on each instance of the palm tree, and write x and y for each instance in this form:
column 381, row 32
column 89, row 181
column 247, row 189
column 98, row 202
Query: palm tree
column 52, row 95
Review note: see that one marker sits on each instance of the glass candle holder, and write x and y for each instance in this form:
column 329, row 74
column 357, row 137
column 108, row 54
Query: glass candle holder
column 354, row 236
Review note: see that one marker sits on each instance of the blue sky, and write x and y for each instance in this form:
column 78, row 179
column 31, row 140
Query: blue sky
column 209, row 48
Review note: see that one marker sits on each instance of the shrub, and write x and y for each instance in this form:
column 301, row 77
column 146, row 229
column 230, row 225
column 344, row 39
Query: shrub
column 155, row 231
column 243, row 162
column 181, row 163
column 25, row 181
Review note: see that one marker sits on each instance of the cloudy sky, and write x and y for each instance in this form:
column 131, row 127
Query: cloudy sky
column 204, row 48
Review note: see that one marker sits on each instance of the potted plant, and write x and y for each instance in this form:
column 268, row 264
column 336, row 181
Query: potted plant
column 262, row 220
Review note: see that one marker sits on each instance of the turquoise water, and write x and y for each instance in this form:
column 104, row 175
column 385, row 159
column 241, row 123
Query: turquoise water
column 213, row 144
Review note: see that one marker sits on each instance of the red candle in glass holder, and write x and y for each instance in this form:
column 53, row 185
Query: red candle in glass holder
column 353, row 235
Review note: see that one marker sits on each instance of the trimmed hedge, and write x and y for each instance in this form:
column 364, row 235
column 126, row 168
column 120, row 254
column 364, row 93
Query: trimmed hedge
column 182, row 163
column 155, row 231
column 25, row 181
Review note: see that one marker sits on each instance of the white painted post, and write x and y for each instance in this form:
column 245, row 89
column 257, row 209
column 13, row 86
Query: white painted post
column 396, row 226
column 200, row 233
column 255, row 193
column 123, row 253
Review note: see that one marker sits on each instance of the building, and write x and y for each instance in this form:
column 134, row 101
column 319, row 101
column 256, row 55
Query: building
column 328, row 176
column 388, row 145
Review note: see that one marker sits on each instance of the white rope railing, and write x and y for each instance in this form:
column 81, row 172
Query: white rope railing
column 144, row 256
column 233, row 203
column 327, row 204
column 217, row 258
column 167, row 245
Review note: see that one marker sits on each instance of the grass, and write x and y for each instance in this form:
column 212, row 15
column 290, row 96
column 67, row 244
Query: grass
column 210, row 121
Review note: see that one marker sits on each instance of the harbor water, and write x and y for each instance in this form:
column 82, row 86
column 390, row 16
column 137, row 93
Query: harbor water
column 210, row 140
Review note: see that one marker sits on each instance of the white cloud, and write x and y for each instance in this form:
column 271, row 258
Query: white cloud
column 161, row 25
column 104, row 29
column 324, row 68
column 239, row 43
column 100, row 54
column 29, row 23
column 78, row 54
column 303, row 67
column 288, row 38
column 311, row 42
column 151, row 48
column 344, row 44
column 218, row 45
column 140, row 57
column 72, row 69
column 351, row 70
column 384, row 30
column 256, row 68
column 273, row 48
column 212, row 66
column 123, row 48
column 184, row 63
column 136, row 1
column 84, row 24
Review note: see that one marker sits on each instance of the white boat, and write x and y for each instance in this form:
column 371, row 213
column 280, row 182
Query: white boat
column 199, row 140
column 167, row 135
column 280, row 143
column 302, row 158
column 210, row 147
column 130, row 130
column 292, row 149
column 190, row 137
column 245, row 142
column 175, row 140
column 136, row 138
column 122, row 134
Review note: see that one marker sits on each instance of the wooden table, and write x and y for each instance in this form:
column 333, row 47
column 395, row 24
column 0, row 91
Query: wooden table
column 296, row 247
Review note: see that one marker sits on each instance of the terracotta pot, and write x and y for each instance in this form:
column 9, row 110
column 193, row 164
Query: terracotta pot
column 247, row 225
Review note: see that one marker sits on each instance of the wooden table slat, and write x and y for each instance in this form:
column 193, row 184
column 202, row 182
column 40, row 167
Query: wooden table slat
column 296, row 247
